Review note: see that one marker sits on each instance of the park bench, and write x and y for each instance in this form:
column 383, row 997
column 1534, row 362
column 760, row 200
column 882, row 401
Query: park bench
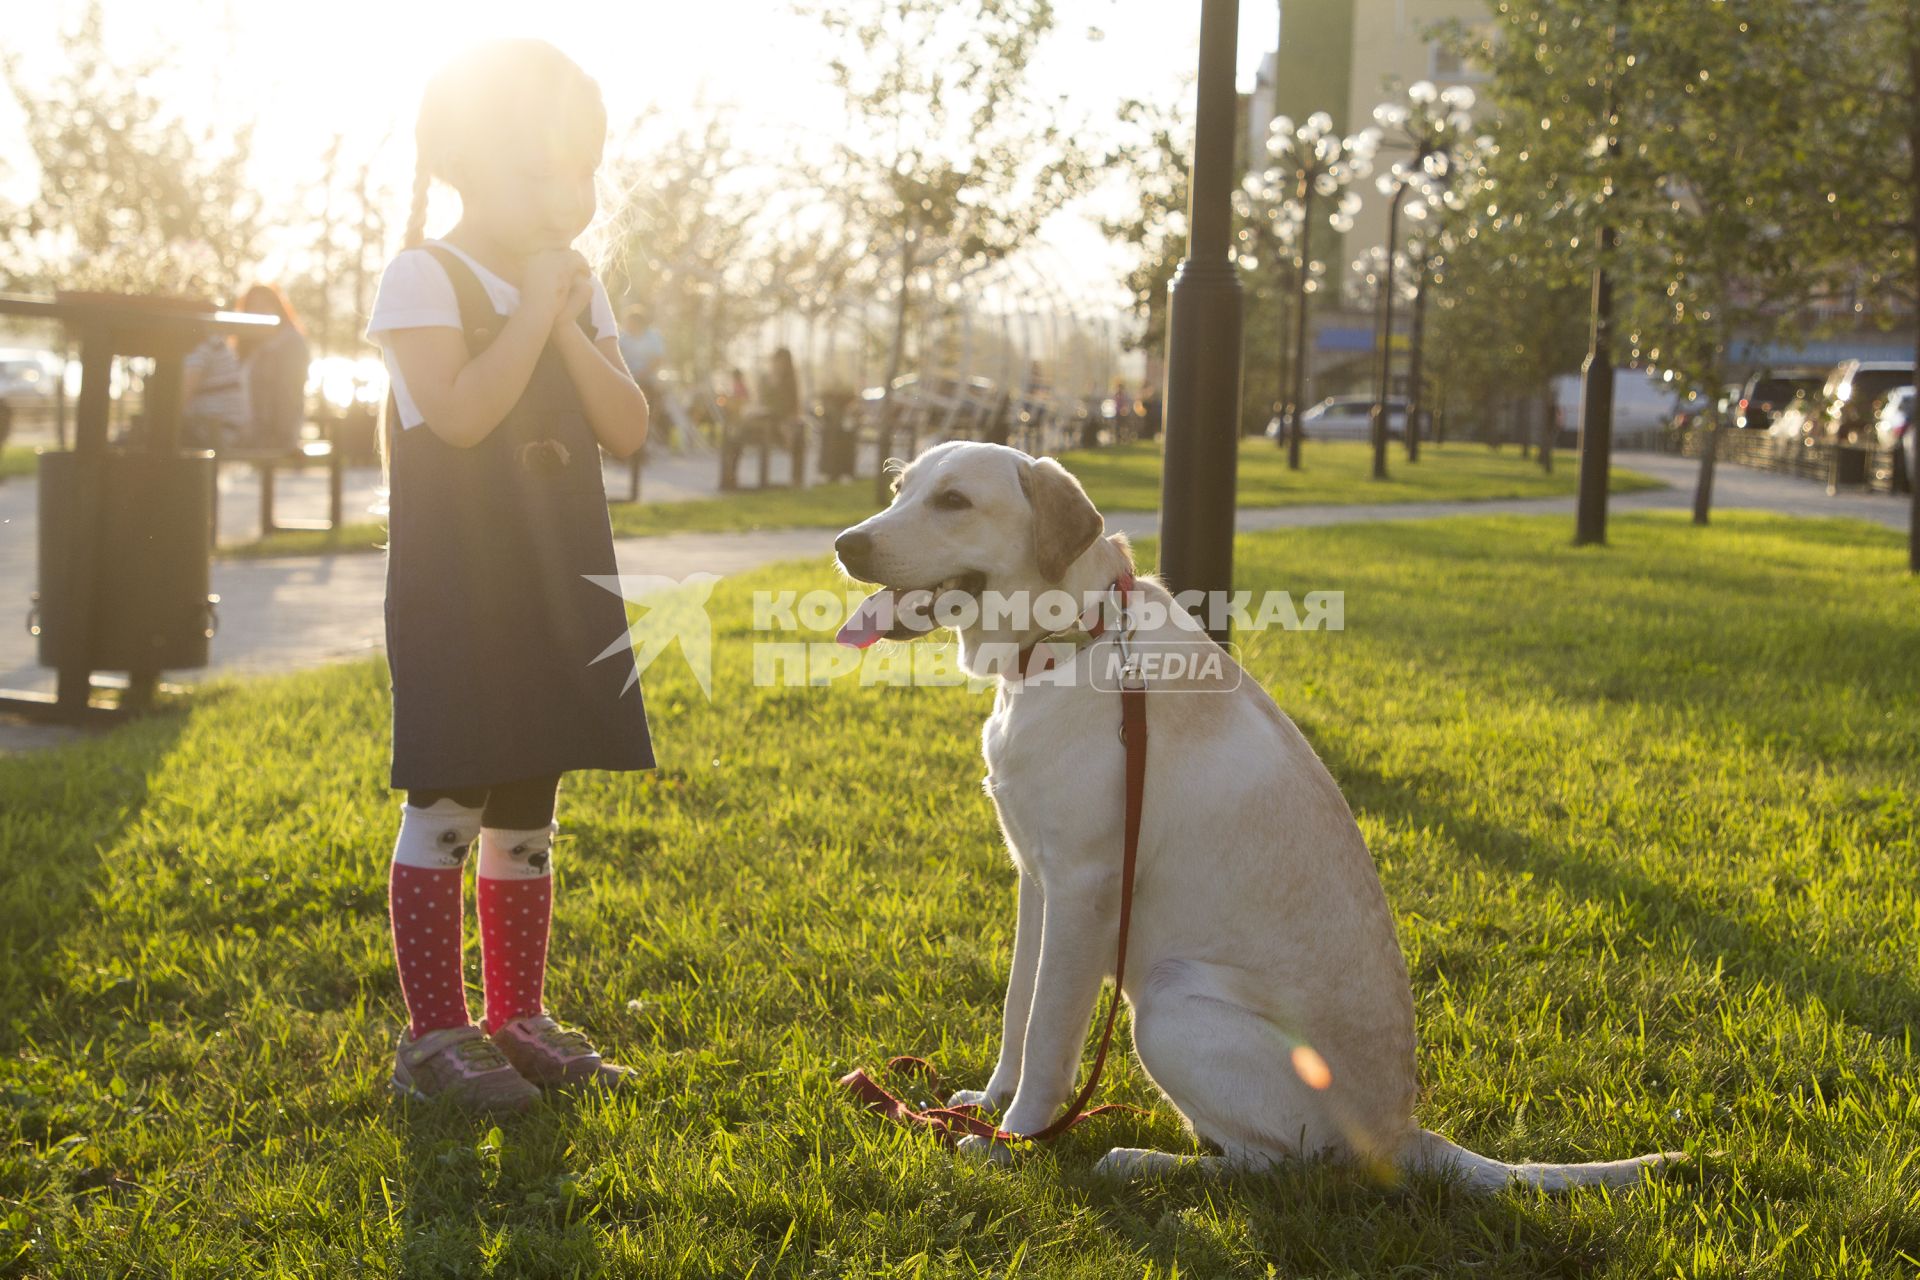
column 268, row 461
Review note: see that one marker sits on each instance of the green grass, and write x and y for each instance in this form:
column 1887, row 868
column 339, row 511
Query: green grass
column 18, row 460
column 1124, row 478
column 1646, row 816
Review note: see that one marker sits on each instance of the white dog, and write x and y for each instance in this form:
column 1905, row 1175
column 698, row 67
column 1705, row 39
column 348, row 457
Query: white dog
column 1270, row 1000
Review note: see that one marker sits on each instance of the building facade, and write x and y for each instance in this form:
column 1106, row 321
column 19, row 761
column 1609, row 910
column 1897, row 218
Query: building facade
column 1345, row 57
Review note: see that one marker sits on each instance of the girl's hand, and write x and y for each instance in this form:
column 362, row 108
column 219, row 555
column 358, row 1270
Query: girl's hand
column 578, row 296
column 558, row 284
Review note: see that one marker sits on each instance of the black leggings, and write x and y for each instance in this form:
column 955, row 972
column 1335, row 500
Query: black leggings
column 507, row 806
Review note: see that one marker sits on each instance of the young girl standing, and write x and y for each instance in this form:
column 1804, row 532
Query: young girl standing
column 506, row 667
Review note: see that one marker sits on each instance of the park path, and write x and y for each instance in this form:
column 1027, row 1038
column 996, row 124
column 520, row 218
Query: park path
column 293, row 612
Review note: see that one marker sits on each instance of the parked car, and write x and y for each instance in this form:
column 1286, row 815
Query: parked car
column 28, row 378
column 1796, row 423
column 1770, row 390
column 1345, row 418
column 1641, row 403
column 1894, row 430
column 1851, row 396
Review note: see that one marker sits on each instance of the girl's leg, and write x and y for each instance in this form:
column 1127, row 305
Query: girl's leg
column 424, row 902
column 514, row 892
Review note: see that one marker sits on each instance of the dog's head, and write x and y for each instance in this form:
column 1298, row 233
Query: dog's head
column 966, row 517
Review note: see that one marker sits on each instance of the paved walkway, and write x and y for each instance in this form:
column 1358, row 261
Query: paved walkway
column 299, row 611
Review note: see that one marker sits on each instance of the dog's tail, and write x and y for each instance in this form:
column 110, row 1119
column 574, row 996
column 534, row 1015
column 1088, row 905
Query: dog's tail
column 1428, row 1152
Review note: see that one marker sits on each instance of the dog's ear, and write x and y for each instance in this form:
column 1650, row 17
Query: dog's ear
column 1065, row 521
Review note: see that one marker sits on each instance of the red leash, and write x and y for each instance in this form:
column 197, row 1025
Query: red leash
column 950, row 1124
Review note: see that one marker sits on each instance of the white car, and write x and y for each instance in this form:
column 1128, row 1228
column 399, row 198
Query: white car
column 1344, row 418
column 1894, row 429
column 1794, row 425
column 28, row 377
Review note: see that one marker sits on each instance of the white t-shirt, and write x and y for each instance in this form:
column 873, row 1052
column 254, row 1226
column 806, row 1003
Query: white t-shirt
column 415, row 293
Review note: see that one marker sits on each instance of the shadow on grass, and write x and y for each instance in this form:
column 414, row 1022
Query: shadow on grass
column 493, row 1195
column 1879, row 1003
column 61, row 810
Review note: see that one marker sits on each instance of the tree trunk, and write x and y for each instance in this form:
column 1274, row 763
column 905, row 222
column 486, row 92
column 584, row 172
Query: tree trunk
column 1913, row 169
column 1415, row 356
column 1703, row 487
column 1545, row 425
column 1297, row 388
column 896, row 356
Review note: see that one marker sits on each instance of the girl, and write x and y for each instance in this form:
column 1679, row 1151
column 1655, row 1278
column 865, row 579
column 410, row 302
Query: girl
column 508, row 666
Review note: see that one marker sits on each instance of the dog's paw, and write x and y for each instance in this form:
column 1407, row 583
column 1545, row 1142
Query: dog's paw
column 977, row 1147
column 1138, row 1162
column 974, row 1098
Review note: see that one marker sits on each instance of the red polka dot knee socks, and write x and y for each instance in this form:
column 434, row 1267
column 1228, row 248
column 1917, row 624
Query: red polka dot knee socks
column 424, row 904
column 514, row 890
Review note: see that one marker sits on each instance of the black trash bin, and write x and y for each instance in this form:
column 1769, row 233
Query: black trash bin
column 1849, row 467
column 146, row 607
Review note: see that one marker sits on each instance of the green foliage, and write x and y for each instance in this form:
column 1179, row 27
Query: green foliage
column 1868, row 142
column 1713, row 169
column 1157, row 162
column 1653, row 874
column 130, row 198
column 952, row 157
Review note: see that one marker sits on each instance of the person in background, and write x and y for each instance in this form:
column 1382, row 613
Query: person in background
column 644, row 348
column 642, row 344
column 1150, row 410
column 738, row 397
column 275, row 364
column 213, row 394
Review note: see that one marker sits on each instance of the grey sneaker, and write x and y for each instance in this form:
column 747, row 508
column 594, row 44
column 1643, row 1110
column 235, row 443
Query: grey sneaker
column 462, row 1066
column 549, row 1054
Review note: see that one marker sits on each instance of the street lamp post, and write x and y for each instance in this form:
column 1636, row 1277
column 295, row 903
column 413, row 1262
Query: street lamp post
column 1382, row 385
column 1416, row 351
column 1429, row 124
column 1203, row 340
column 1308, row 161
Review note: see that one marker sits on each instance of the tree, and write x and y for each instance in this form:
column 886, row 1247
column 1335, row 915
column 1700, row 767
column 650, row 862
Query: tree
column 687, row 234
column 1664, row 143
column 1868, row 143
column 952, row 152
column 1157, row 164
column 130, row 198
column 1310, row 164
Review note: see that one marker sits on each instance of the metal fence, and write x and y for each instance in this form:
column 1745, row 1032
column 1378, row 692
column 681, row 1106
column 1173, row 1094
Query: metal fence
column 1868, row 468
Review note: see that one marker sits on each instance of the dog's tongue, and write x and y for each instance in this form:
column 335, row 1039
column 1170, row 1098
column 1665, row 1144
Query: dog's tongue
column 870, row 621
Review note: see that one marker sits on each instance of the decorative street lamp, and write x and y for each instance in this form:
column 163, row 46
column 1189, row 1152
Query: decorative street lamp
column 1464, row 179
column 1308, row 161
column 1430, row 125
column 1203, row 340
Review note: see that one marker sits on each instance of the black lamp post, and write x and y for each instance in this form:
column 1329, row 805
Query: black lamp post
column 1416, row 343
column 1203, row 340
column 1384, row 374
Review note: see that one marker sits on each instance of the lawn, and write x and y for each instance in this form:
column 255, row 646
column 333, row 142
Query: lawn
column 1125, row 478
column 18, row 460
column 1646, row 815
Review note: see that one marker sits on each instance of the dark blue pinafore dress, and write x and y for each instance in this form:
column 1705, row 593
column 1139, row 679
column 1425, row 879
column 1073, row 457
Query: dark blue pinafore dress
column 494, row 632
